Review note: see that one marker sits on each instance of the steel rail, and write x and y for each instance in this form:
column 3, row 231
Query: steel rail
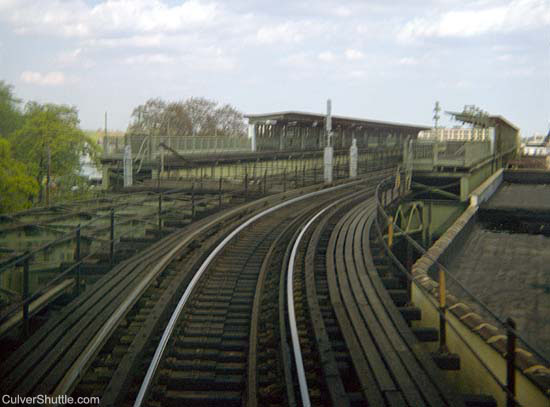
column 82, row 362
column 76, row 371
column 143, row 391
column 300, row 371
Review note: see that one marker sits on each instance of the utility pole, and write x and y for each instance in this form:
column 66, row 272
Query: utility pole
column 105, row 124
column 436, row 118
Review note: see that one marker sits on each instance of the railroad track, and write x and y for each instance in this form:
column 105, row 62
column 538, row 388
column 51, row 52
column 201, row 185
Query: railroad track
column 105, row 330
column 202, row 357
column 357, row 350
column 282, row 302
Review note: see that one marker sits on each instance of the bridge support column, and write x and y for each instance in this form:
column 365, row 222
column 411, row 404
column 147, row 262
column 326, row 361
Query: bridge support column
column 328, row 161
column 252, row 135
column 105, row 178
column 128, row 166
column 353, row 159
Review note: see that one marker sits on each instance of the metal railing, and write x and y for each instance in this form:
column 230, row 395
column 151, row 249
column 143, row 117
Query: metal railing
column 267, row 179
column 428, row 154
column 151, row 147
column 75, row 236
column 386, row 193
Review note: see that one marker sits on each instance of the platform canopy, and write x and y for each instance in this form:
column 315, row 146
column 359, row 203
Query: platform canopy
column 315, row 119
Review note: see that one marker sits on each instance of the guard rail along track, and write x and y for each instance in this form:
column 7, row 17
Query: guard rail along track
column 57, row 357
column 284, row 301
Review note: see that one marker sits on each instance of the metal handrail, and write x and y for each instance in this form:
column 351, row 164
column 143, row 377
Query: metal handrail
column 408, row 274
column 443, row 315
column 424, row 252
column 70, row 235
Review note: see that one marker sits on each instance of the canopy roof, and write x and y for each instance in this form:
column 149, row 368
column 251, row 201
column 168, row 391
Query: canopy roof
column 314, row 119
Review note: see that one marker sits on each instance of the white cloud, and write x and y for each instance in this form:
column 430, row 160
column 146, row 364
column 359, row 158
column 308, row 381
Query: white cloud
column 77, row 19
column 153, row 15
column 505, row 58
column 462, row 84
column 70, row 57
column 142, row 59
column 210, row 59
column 326, row 56
column 289, row 32
column 353, row 54
column 46, row 79
column 342, row 11
column 134, row 41
column 300, row 60
column 408, row 61
column 512, row 16
column 357, row 73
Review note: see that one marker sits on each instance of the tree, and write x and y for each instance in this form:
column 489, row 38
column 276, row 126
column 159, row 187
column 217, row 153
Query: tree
column 230, row 121
column 10, row 115
column 148, row 118
column 177, row 120
column 202, row 113
column 193, row 117
column 17, row 189
column 54, row 129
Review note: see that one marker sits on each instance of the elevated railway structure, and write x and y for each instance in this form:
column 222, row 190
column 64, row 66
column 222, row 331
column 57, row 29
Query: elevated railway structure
column 490, row 261
column 296, row 293
column 276, row 143
column 221, row 293
column 285, row 300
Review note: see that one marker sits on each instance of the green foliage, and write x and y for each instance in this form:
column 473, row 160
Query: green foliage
column 17, row 189
column 54, row 128
column 10, row 116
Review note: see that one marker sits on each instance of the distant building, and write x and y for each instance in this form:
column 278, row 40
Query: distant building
column 535, row 153
column 457, row 134
column 88, row 170
column 538, row 145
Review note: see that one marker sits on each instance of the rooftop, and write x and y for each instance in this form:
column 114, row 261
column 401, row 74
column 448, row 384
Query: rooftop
column 305, row 117
column 512, row 196
column 507, row 271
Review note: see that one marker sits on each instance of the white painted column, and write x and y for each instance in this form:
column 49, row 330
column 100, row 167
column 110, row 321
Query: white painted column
column 128, row 181
column 353, row 159
column 328, row 164
column 252, row 135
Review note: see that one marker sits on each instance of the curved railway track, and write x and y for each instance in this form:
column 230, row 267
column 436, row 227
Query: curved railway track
column 281, row 302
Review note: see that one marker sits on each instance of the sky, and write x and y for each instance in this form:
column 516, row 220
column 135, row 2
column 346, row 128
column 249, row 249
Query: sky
column 376, row 59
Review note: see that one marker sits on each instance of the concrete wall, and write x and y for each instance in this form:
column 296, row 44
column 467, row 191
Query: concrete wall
column 441, row 215
column 487, row 188
column 478, row 337
column 527, row 176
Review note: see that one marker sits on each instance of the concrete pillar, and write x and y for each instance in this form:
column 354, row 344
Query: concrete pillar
column 105, row 178
column 328, row 161
column 252, row 135
column 128, row 179
column 106, row 146
column 464, row 188
column 353, row 159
